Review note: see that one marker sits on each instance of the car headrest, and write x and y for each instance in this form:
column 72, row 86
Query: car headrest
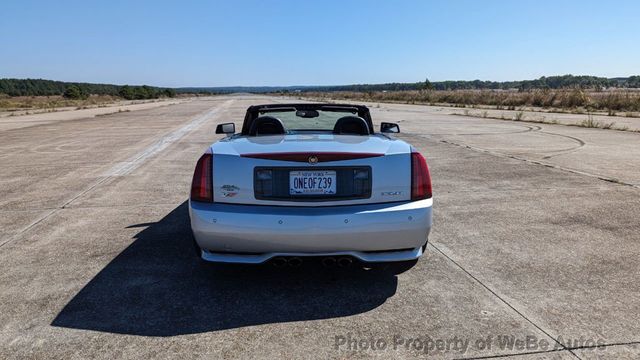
column 352, row 125
column 266, row 125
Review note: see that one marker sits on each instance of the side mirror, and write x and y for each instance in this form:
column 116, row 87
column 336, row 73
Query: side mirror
column 228, row 128
column 386, row 127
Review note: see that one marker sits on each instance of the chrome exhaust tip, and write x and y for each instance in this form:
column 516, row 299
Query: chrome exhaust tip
column 279, row 262
column 345, row 262
column 295, row 262
column 328, row 262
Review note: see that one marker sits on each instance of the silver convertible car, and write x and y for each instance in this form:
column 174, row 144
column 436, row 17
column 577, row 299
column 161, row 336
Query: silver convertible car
column 304, row 181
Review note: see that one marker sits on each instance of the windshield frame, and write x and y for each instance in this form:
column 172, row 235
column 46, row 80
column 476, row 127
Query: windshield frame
column 256, row 111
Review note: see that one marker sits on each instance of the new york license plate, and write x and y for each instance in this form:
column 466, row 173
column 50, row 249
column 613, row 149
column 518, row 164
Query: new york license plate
column 318, row 182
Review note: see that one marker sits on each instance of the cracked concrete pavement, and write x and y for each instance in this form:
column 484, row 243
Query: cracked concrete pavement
column 535, row 238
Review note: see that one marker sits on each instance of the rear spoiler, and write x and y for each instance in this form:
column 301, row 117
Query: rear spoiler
column 351, row 109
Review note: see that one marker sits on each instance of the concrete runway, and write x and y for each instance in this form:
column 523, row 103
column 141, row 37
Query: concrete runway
column 536, row 240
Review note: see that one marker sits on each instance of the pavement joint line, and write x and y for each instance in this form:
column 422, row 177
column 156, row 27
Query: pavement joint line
column 73, row 165
column 90, row 207
column 632, row 343
column 550, row 351
column 130, row 165
column 115, row 206
column 504, row 301
column 524, row 189
column 509, row 156
column 549, row 165
column 498, row 356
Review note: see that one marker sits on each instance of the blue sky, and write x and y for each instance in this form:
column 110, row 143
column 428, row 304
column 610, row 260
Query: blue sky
column 238, row 42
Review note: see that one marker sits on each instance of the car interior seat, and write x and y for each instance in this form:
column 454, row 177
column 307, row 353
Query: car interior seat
column 266, row 125
column 351, row 125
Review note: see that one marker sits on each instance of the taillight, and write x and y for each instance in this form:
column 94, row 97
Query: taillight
column 202, row 184
column 420, row 178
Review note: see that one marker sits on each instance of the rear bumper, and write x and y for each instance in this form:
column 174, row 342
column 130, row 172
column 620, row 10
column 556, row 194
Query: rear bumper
column 404, row 255
column 255, row 234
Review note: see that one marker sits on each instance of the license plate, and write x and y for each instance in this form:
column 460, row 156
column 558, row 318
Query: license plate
column 318, row 182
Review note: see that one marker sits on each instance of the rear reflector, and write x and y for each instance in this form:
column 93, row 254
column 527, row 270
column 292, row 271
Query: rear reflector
column 202, row 184
column 420, row 177
column 311, row 157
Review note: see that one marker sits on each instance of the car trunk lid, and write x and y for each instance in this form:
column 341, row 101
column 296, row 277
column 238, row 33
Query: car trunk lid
column 311, row 170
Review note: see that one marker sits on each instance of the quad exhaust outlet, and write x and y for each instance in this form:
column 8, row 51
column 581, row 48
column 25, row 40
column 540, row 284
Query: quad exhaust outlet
column 281, row 262
column 345, row 262
column 328, row 262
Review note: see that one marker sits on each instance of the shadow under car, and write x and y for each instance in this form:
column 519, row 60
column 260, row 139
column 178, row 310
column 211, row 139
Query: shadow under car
column 157, row 287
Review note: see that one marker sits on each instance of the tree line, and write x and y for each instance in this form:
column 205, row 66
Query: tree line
column 72, row 90
column 551, row 82
column 40, row 87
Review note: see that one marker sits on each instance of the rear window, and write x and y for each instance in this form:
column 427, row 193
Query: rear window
column 324, row 121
